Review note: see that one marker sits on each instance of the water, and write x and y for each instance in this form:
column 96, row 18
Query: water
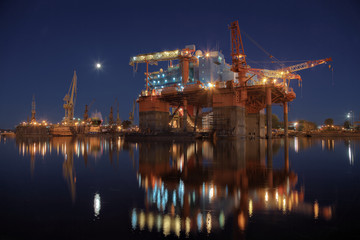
column 102, row 188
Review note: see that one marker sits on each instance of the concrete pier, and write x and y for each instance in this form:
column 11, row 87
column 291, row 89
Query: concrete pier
column 153, row 114
column 255, row 124
column 229, row 121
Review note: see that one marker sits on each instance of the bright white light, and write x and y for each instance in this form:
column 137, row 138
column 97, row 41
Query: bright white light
column 98, row 65
column 97, row 204
column 296, row 144
column 211, row 192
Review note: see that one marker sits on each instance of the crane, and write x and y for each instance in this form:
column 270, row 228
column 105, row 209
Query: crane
column 87, row 108
column 70, row 99
column 238, row 56
column 131, row 114
column 185, row 56
column 240, row 66
column 118, row 120
column 287, row 72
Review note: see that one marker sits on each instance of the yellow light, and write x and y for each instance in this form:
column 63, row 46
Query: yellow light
column 208, row 222
column 187, row 225
column 142, row 220
column 264, row 80
column 284, row 205
column 207, row 55
column 274, row 81
column 316, row 210
column 166, row 225
column 266, row 197
column 150, row 221
column 250, row 208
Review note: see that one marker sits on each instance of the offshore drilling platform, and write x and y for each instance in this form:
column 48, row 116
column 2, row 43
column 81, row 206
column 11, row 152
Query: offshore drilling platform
column 237, row 95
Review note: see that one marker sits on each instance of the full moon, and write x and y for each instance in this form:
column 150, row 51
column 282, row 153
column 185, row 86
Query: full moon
column 98, row 65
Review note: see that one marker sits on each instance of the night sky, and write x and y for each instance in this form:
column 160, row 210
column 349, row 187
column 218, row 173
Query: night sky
column 43, row 42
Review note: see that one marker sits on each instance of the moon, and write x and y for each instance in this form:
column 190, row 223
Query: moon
column 98, row 65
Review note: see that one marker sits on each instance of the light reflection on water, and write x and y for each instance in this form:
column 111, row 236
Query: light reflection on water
column 198, row 187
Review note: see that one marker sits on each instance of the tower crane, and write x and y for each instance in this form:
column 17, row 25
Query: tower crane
column 70, row 99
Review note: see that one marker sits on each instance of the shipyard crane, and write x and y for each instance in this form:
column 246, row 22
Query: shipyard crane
column 240, row 66
column 118, row 120
column 87, row 108
column 131, row 114
column 185, row 56
column 287, row 73
column 70, row 99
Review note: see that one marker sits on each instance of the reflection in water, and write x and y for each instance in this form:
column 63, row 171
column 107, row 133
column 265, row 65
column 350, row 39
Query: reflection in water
column 351, row 151
column 193, row 187
column 97, row 205
column 69, row 147
column 328, row 144
column 194, row 192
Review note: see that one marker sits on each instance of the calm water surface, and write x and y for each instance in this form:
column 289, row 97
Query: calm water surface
column 106, row 188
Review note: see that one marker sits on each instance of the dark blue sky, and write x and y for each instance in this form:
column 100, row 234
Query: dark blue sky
column 42, row 42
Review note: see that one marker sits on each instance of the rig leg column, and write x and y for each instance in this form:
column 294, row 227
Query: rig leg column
column 270, row 162
column 185, row 115
column 268, row 113
column 286, row 123
column 286, row 148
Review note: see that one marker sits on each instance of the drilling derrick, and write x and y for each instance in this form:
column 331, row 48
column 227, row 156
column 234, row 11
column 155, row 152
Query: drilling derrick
column 70, row 99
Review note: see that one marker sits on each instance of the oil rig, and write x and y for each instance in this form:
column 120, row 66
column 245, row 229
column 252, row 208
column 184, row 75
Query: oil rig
column 237, row 95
